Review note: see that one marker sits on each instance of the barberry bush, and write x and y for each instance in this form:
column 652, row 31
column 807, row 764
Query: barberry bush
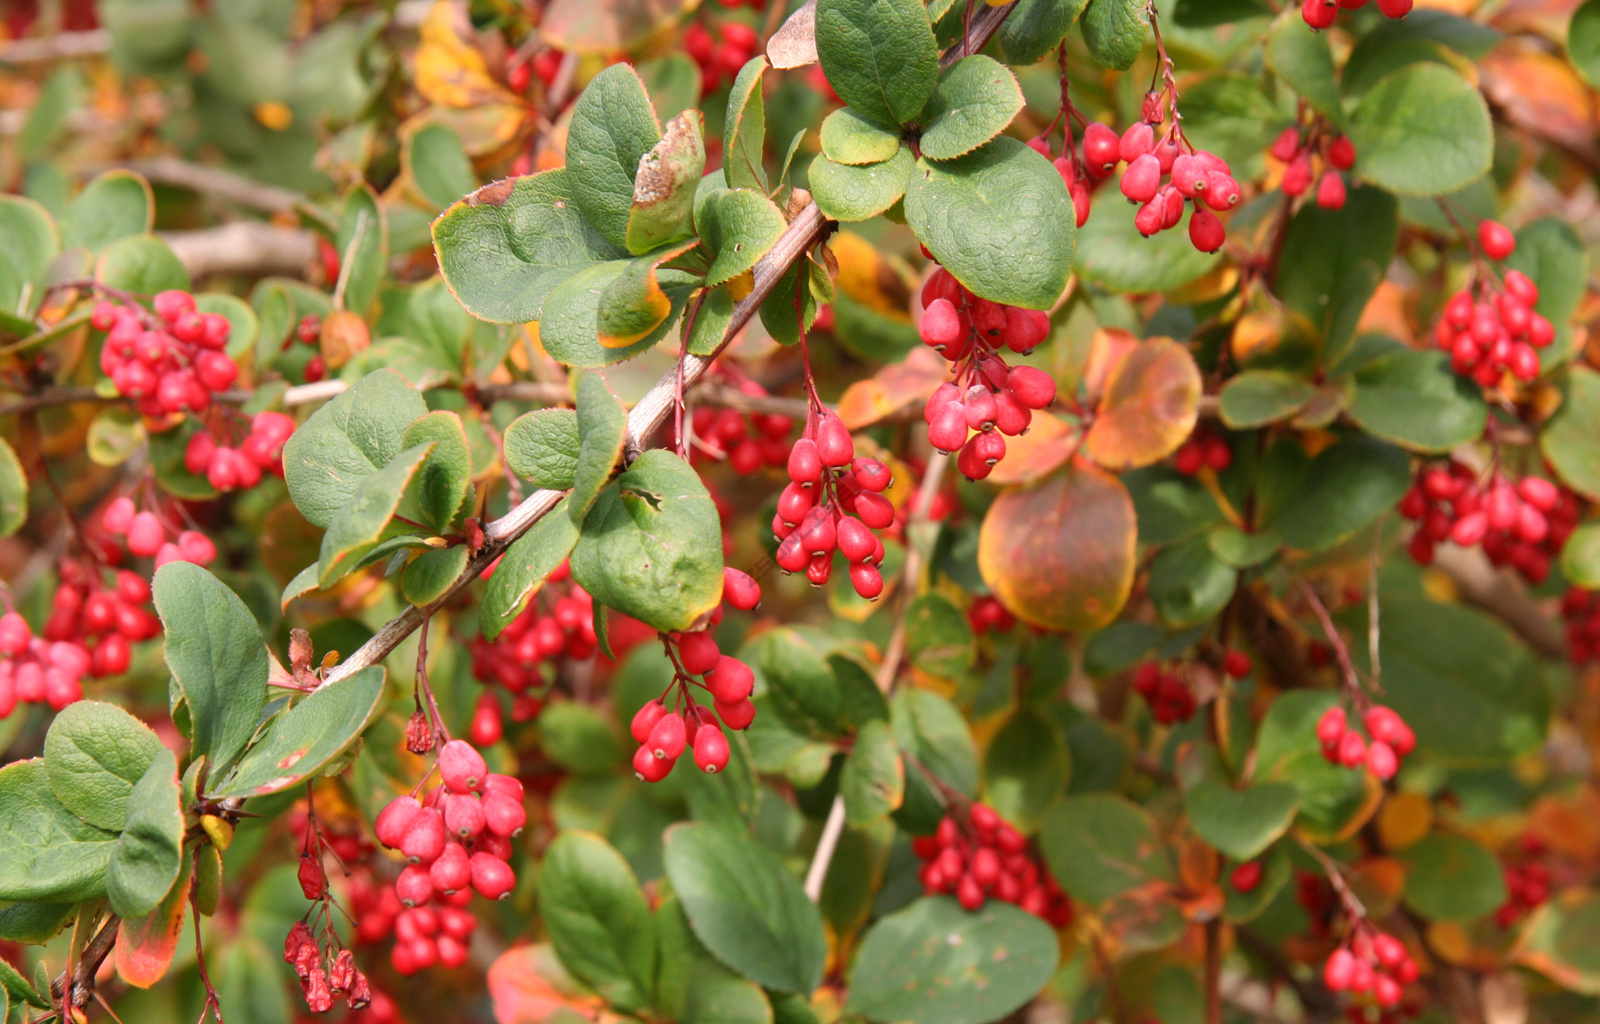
column 794, row 513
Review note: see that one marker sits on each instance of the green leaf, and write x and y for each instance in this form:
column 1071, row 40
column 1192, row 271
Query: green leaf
column 873, row 781
column 1112, row 253
column 149, row 853
column 217, row 658
column 524, row 568
column 847, row 193
column 935, row 963
column 570, row 329
column 778, row 310
column 362, row 242
column 652, row 545
column 505, row 247
column 636, row 304
column 429, row 576
column 602, row 426
column 1452, row 878
column 1242, row 550
column 1287, row 751
column 1241, row 823
column 114, row 205
column 1346, row 486
column 1189, row 584
column 34, row 924
column 664, row 186
column 359, row 525
column 1099, row 846
column 1025, row 768
column 739, row 226
column 346, row 441
column 1035, row 28
column 746, row 908
column 141, row 264
column 577, row 738
column 930, row 729
column 1414, row 399
column 804, row 692
column 939, row 639
column 975, row 100
column 1571, row 438
column 879, row 55
column 1255, row 398
column 711, row 320
column 1114, row 31
column 1472, row 692
column 597, row 919
column 16, row 989
column 442, row 481
column 1303, row 58
column 692, row 987
column 94, row 754
column 848, row 137
column 744, row 134
column 1580, row 556
column 1333, row 260
column 999, row 219
column 308, row 737
column 542, row 446
column 46, row 853
column 31, row 244
column 1423, row 130
column 1583, row 41
column 613, row 127
column 439, row 164
column 13, row 491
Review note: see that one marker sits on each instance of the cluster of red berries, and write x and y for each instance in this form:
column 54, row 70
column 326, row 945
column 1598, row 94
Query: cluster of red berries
column 1072, row 170
column 1205, row 447
column 988, row 400
column 1581, row 610
column 1527, row 887
column 986, row 614
column 544, row 66
column 1374, row 964
column 457, row 841
column 984, row 857
column 1320, row 14
column 558, row 622
column 1391, row 740
column 1490, row 330
column 1300, row 153
column 722, row 53
column 149, row 536
column 747, row 441
column 663, row 735
column 833, row 502
column 1523, row 525
column 1190, row 176
column 1167, row 689
column 228, row 468
column 309, row 330
column 323, row 976
column 170, row 362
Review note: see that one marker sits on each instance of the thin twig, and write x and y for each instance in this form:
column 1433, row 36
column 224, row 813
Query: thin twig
column 817, row 873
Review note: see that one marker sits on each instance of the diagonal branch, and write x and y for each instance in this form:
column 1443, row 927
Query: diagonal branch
column 807, row 229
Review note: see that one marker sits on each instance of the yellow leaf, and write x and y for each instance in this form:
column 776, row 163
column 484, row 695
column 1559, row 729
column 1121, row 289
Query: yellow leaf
column 870, row 279
column 449, row 70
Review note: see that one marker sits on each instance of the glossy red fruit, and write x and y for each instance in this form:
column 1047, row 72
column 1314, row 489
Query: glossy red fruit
column 710, row 749
column 867, row 580
column 1382, row 760
column 804, row 465
column 1102, row 148
column 1331, row 726
column 1033, row 387
column 461, row 767
column 740, row 589
column 645, row 719
column 1246, row 876
column 414, row 886
column 874, row 510
column 463, row 814
column 1206, row 231
column 1331, row 191
column 1342, row 153
column 1338, row 972
column 198, row 452
column 1141, row 179
column 504, row 815
column 451, row 871
column 492, row 877
column 391, row 823
column 145, row 535
column 736, row 715
column 698, row 652
column 948, row 431
column 941, row 325
column 424, row 837
column 1395, row 8
column 667, row 737
column 1352, row 749
column 834, row 446
column 1236, row 664
column 1496, row 239
column 650, row 768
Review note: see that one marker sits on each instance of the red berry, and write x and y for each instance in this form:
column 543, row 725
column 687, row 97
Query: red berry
column 645, row 719
column 867, row 580
column 710, row 749
column 170, row 305
column 1206, row 231
column 463, row 814
column 145, row 535
column 1337, row 973
column 736, row 715
column 698, row 652
column 1495, row 238
column 1101, row 149
column 650, row 768
column 461, row 767
column 492, row 877
column 1331, row 726
column 834, row 446
column 414, row 886
column 392, row 822
column 667, row 737
column 1246, row 876
column 1236, row 664
column 504, row 814
column 1142, row 178
column 740, row 589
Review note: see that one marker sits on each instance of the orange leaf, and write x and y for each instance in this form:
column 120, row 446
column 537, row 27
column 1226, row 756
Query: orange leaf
column 893, row 388
column 343, row 335
column 1048, row 444
column 529, row 986
column 1150, row 403
column 450, row 71
column 1106, row 350
column 865, row 275
column 1060, row 554
column 145, row 947
column 1540, row 91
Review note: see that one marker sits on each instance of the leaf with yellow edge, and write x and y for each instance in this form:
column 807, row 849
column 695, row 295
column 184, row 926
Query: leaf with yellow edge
column 1046, row 447
column 449, row 70
column 1149, row 406
column 145, row 947
column 634, row 304
column 893, row 388
column 1060, row 554
column 883, row 285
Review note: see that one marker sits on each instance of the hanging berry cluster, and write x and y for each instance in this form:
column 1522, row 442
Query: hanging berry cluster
column 1489, row 328
column 558, row 623
column 988, row 400
column 1527, row 882
column 833, row 502
column 1205, row 447
column 169, row 362
column 979, row 856
column 664, row 734
column 309, row 330
column 456, row 841
column 1391, row 739
column 228, row 467
column 1581, row 610
column 1301, row 152
column 746, row 441
column 721, row 50
column 150, row 534
column 1166, row 688
column 1320, row 14
column 325, row 968
column 1523, row 525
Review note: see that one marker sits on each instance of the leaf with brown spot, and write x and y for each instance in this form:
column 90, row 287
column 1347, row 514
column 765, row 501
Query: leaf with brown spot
column 1046, row 447
column 663, row 188
column 1060, row 554
column 145, row 947
column 1149, row 405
